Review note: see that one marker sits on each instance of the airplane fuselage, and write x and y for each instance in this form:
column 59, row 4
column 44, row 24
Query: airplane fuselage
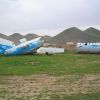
column 24, row 48
column 88, row 48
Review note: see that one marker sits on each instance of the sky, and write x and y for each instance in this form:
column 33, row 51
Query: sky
column 47, row 17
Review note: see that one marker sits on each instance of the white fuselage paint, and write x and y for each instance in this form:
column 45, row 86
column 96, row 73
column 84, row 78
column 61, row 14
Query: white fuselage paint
column 88, row 47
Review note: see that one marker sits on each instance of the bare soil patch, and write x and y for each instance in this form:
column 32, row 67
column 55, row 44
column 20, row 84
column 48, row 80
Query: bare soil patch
column 43, row 86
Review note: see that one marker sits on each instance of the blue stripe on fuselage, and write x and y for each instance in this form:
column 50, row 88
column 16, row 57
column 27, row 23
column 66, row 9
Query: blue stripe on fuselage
column 3, row 48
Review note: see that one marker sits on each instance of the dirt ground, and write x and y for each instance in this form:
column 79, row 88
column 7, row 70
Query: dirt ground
column 42, row 87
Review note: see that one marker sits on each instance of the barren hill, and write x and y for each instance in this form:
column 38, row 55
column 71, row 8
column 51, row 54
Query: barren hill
column 30, row 36
column 4, row 36
column 73, row 35
column 94, row 32
column 46, row 38
column 15, row 37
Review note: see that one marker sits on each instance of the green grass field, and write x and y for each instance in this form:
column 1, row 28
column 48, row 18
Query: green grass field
column 71, row 76
column 59, row 64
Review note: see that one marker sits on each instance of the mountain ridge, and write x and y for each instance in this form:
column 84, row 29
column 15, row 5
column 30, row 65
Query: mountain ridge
column 72, row 34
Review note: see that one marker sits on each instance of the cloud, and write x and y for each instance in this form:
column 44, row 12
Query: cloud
column 47, row 16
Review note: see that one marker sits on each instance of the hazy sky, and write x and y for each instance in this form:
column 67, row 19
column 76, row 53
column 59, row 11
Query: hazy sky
column 47, row 17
